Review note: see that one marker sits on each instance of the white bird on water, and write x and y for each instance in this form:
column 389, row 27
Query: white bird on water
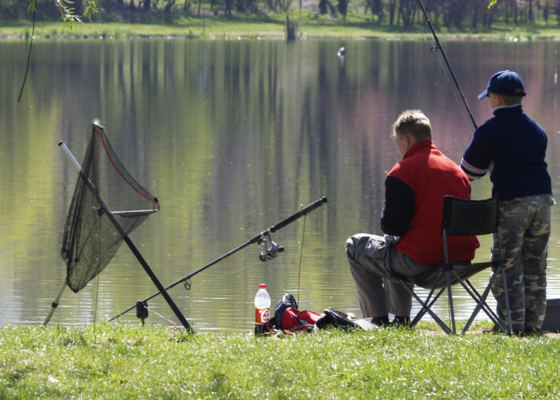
column 341, row 52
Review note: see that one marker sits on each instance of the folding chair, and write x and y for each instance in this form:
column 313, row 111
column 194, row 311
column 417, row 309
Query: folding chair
column 462, row 218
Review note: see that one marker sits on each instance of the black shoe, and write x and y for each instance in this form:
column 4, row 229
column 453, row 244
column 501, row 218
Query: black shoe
column 399, row 321
column 494, row 329
column 534, row 332
column 381, row 321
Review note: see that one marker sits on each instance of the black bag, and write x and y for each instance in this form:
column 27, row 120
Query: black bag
column 337, row 319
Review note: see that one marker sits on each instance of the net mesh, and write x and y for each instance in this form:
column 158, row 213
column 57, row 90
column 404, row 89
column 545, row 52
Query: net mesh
column 90, row 239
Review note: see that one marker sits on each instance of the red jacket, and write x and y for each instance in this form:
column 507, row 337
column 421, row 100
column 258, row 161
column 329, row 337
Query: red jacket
column 414, row 191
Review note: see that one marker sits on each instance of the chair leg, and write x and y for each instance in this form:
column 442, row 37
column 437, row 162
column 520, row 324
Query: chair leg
column 427, row 303
column 425, row 306
column 485, row 307
column 450, row 296
column 480, row 304
column 442, row 324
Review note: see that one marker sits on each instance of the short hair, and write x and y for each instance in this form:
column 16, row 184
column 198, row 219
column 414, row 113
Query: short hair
column 510, row 100
column 414, row 123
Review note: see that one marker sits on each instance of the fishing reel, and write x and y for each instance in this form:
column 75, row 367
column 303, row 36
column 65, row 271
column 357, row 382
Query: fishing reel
column 272, row 251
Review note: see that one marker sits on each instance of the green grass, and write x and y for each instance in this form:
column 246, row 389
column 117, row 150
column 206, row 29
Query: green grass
column 271, row 26
column 128, row 362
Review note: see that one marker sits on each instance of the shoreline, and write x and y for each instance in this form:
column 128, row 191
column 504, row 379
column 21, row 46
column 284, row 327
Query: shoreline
column 218, row 28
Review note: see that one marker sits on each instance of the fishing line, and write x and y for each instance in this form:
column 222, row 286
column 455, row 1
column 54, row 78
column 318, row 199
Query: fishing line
column 204, row 282
column 161, row 316
column 96, row 294
column 30, row 48
column 96, row 302
column 301, row 255
column 437, row 47
column 455, row 95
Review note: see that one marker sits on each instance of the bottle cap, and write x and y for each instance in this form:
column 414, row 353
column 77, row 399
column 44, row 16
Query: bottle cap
column 262, row 286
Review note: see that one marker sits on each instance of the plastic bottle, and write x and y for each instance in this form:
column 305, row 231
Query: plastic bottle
column 262, row 310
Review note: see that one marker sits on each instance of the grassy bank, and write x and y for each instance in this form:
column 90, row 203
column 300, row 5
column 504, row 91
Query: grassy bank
column 129, row 362
column 270, row 26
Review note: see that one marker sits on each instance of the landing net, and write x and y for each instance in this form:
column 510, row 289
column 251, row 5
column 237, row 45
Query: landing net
column 90, row 239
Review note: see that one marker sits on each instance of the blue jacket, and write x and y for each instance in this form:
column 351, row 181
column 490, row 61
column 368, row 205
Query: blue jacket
column 513, row 147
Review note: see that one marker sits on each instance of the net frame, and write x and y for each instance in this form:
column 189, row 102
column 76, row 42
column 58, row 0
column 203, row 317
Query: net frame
column 90, row 238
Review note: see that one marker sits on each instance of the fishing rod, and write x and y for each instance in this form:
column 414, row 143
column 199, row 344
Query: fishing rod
column 434, row 49
column 260, row 238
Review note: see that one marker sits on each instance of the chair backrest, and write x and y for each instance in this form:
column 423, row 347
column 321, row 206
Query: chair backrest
column 469, row 217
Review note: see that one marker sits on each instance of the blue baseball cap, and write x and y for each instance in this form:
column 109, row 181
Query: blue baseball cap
column 507, row 83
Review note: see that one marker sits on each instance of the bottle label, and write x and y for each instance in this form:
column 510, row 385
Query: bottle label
column 262, row 315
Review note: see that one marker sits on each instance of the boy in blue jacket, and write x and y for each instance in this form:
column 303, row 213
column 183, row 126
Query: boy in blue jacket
column 512, row 146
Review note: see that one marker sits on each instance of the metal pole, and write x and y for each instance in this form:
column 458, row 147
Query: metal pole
column 54, row 304
column 254, row 239
column 129, row 242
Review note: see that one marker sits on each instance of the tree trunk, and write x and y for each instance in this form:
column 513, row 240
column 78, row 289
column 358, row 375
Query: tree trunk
column 168, row 6
column 392, row 9
column 78, row 7
column 343, row 7
column 229, row 4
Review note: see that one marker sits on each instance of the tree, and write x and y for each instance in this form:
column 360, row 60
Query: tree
column 407, row 11
column 376, row 7
column 168, row 6
column 323, row 5
column 343, row 7
column 454, row 12
column 392, row 10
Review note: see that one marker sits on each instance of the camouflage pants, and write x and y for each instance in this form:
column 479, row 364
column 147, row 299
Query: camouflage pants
column 524, row 231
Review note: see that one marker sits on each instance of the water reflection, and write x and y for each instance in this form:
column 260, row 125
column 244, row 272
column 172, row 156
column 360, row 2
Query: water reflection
column 232, row 137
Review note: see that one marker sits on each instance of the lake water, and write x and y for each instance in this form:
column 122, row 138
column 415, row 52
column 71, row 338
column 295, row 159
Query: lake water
column 232, row 137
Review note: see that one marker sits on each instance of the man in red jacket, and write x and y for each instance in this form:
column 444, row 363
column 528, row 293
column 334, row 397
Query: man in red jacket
column 411, row 221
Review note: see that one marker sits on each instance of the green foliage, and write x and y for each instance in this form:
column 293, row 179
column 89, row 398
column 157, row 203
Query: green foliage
column 309, row 25
column 124, row 361
column 403, row 15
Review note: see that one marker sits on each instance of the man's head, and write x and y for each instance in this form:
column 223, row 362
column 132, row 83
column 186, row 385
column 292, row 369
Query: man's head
column 411, row 127
column 504, row 88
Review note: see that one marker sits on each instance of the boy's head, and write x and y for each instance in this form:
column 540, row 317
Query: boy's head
column 508, row 85
column 411, row 127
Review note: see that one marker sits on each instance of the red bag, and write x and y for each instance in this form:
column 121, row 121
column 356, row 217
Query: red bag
column 293, row 318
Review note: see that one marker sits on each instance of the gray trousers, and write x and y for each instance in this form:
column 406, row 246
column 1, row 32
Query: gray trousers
column 371, row 260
